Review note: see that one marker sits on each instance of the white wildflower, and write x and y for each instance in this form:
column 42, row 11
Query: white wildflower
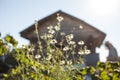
column 72, row 42
column 81, row 52
column 69, row 37
column 87, row 51
column 69, row 62
column 37, row 56
column 53, row 41
column 51, row 31
column 44, row 36
column 31, row 49
column 62, row 62
column 50, row 27
column 74, row 45
column 81, row 42
column 24, row 46
column 59, row 18
column 49, row 35
column 57, row 28
column 41, row 37
column 62, row 34
column 66, row 48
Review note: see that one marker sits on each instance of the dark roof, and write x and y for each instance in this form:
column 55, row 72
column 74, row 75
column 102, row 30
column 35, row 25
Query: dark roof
column 31, row 28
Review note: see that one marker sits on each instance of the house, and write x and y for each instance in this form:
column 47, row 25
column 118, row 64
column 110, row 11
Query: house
column 70, row 25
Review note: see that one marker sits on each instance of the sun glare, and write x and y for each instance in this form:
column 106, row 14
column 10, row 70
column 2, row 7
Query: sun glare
column 104, row 7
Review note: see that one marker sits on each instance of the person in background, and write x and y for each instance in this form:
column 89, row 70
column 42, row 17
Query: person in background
column 113, row 55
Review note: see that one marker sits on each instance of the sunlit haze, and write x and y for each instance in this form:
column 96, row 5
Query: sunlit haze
column 104, row 7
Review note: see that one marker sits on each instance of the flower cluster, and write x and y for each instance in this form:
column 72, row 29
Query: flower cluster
column 83, row 49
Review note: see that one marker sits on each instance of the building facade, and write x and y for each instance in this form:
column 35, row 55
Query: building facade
column 70, row 25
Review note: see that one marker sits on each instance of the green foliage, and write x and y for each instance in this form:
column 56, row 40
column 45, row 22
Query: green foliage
column 4, row 44
column 11, row 40
column 109, row 70
column 3, row 47
column 104, row 75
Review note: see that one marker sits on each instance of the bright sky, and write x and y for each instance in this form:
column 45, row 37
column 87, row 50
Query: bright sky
column 16, row 15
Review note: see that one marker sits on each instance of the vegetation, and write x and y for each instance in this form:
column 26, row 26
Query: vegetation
column 53, row 60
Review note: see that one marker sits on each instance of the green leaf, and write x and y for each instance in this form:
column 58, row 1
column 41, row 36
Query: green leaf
column 105, row 76
column 11, row 40
column 92, row 70
column 1, row 42
column 115, row 77
column 8, row 38
column 5, row 75
column 0, row 50
column 84, row 71
column 4, row 49
column 15, row 43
